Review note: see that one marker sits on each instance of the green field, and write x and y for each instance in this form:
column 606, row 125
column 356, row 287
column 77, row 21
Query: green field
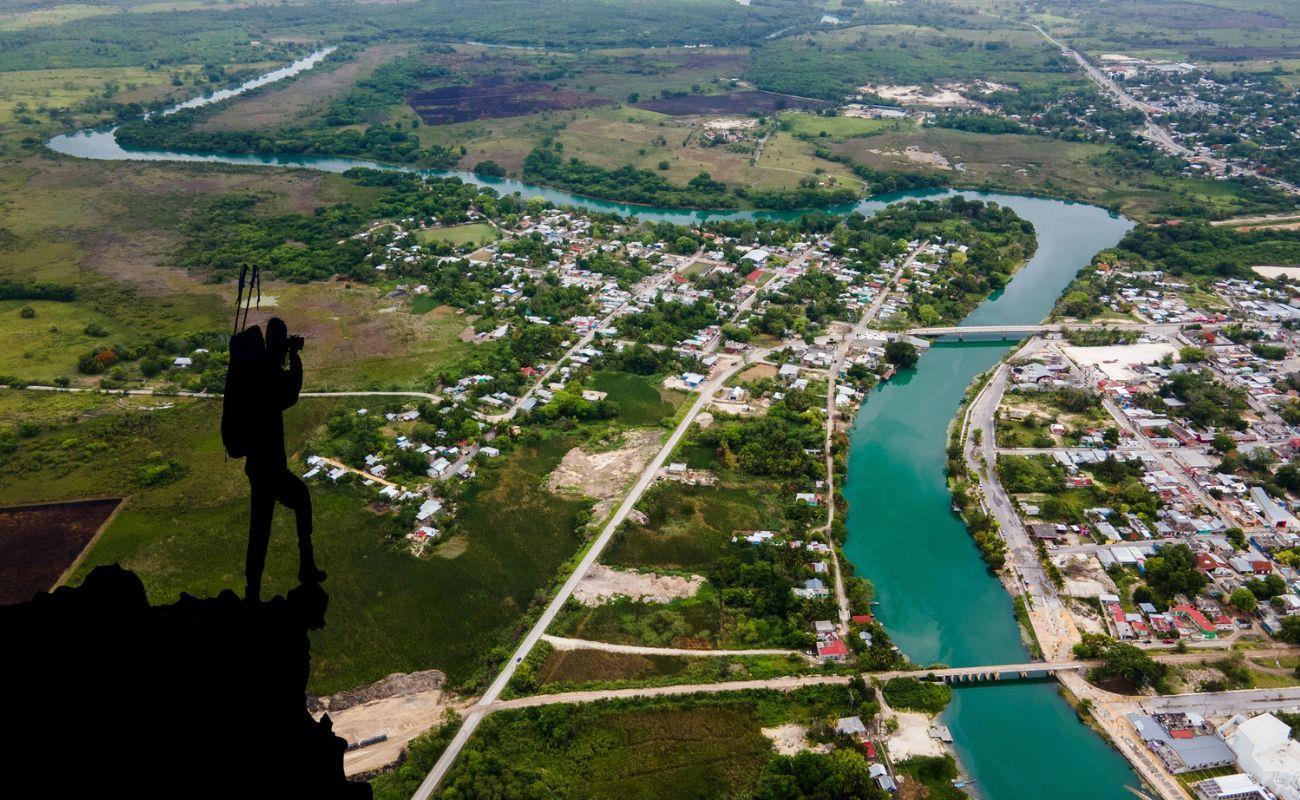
column 641, row 401
column 699, row 746
column 460, row 235
column 837, row 127
column 1030, row 164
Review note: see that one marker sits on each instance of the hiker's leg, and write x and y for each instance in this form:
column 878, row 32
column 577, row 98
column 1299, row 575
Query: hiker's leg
column 262, row 506
column 294, row 495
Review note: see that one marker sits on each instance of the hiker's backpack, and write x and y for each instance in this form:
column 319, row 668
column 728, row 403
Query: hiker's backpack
column 247, row 358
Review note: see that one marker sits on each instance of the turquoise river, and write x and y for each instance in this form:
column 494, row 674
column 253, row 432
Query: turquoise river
column 1019, row 741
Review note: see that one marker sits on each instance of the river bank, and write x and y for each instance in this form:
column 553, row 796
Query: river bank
column 938, row 600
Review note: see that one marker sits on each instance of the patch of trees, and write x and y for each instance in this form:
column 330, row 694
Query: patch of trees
column 841, row 774
column 1198, row 248
column 754, row 584
column 386, row 143
column 1172, row 571
column 35, row 290
column 372, row 96
column 979, row 123
column 1095, row 337
column 798, row 198
column 911, row 694
column 1123, row 661
column 667, row 323
column 232, row 230
column 1206, row 401
column 626, row 183
column 901, row 354
column 773, row 445
column 641, row 360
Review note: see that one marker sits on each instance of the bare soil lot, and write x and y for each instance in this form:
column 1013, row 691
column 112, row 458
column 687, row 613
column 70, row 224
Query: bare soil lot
column 731, row 103
column 603, row 476
column 401, row 706
column 602, row 583
column 495, row 97
column 41, row 542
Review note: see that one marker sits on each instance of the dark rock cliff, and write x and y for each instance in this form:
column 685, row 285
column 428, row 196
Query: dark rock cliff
column 112, row 697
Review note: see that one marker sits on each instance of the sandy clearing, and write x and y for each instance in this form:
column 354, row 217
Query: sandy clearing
column 1274, row 272
column 912, row 737
column 603, row 583
column 757, row 372
column 918, row 156
column 788, row 740
column 1084, row 575
column 603, row 476
column 948, row 95
column 1117, row 361
column 401, row 705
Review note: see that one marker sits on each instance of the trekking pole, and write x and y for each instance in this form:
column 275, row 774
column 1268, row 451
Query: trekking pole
column 239, row 298
column 248, row 300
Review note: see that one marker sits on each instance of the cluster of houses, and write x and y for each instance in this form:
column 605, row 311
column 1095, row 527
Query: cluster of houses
column 444, row 461
column 1260, row 748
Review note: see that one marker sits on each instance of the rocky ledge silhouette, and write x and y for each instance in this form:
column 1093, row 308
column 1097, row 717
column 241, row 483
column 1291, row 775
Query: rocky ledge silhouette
column 110, row 696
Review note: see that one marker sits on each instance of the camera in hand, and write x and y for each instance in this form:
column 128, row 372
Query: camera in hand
column 295, row 343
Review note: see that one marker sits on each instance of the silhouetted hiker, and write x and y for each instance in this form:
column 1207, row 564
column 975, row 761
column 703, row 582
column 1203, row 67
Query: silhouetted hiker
column 258, row 390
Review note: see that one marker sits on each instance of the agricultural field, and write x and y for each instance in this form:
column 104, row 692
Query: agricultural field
column 740, row 103
column 42, row 542
column 494, row 97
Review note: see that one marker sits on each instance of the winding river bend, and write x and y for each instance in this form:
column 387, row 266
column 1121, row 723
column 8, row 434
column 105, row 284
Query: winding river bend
column 1021, row 741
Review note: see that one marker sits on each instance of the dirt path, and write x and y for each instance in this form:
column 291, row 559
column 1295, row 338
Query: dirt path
column 563, row 643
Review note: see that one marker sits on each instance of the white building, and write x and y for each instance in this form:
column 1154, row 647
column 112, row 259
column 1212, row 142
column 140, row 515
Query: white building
column 1266, row 751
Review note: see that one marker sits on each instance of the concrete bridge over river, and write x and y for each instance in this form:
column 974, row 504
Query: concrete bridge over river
column 1019, row 331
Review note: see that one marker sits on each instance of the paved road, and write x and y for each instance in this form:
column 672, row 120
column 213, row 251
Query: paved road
column 1052, row 623
column 1226, row 703
column 1046, row 327
column 565, row 643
